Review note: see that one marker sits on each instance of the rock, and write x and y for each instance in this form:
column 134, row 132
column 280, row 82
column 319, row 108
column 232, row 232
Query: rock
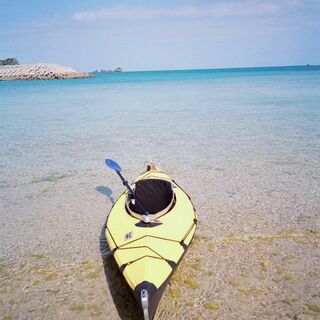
column 24, row 315
column 26, row 287
column 52, row 291
column 39, row 72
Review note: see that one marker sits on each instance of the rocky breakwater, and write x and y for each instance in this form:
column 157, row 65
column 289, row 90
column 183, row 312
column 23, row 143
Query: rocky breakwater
column 39, row 72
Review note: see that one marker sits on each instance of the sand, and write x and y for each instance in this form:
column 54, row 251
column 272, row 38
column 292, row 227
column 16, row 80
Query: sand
column 241, row 265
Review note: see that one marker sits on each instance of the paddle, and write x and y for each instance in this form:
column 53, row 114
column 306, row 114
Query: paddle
column 114, row 166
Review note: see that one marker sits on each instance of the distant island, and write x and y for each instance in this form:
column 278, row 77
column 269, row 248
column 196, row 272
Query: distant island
column 103, row 70
column 10, row 69
column 9, row 62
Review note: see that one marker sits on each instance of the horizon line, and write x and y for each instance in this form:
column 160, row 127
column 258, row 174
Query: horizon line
column 220, row 68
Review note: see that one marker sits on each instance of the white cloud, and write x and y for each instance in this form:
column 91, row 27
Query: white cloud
column 222, row 9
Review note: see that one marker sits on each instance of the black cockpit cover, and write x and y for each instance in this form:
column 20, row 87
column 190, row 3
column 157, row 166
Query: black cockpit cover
column 155, row 195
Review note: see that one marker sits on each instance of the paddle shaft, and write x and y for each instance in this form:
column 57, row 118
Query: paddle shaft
column 125, row 183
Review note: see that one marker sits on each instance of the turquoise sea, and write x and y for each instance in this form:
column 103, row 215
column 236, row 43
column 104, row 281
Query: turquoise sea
column 188, row 116
column 242, row 138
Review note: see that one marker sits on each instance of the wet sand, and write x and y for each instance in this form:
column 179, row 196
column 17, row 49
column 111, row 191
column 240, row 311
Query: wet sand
column 244, row 263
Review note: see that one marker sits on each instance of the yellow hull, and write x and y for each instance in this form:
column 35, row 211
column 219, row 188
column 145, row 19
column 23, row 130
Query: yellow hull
column 148, row 254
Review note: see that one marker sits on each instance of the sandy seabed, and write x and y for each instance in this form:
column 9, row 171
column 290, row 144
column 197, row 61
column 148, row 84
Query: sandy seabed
column 245, row 262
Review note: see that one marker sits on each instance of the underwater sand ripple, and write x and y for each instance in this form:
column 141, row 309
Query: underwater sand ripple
column 53, row 177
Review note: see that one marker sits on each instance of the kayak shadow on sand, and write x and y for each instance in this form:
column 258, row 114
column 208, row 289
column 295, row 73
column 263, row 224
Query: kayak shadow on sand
column 122, row 296
column 106, row 191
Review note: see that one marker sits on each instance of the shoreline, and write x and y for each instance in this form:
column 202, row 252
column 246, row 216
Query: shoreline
column 39, row 72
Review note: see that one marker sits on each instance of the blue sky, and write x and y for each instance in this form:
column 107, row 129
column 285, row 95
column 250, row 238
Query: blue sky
column 152, row 35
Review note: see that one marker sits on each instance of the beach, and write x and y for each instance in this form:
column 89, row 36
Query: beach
column 245, row 146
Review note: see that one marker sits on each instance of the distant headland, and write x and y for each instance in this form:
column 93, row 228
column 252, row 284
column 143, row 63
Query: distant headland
column 118, row 69
column 10, row 69
column 9, row 62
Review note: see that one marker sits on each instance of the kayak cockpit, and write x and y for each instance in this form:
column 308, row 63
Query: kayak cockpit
column 156, row 195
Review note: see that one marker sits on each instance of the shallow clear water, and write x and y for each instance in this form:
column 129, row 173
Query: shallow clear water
column 195, row 117
column 254, row 133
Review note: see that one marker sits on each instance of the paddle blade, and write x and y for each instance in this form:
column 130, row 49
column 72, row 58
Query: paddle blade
column 113, row 165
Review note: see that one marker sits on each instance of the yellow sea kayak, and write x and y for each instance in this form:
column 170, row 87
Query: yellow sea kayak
column 148, row 247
